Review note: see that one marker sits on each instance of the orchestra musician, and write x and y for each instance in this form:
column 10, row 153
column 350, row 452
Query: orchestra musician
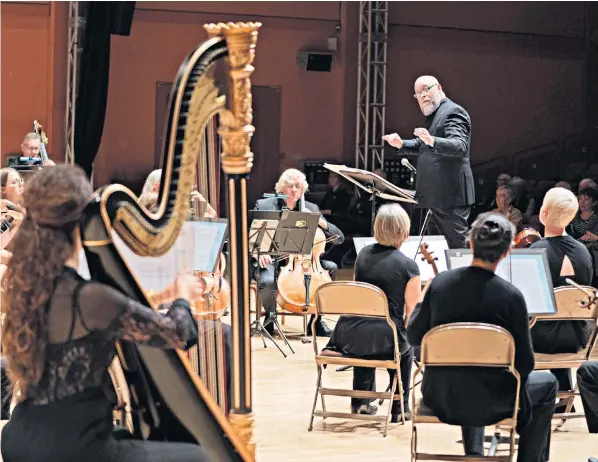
column 567, row 258
column 11, row 190
column 476, row 397
column 444, row 181
column 59, row 332
column 587, row 379
column 293, row 184
column 31, row 147
column 385, row 266
column 151, row 189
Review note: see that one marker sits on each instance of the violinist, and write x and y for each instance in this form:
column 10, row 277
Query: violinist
column 567, row 258
column 59, row 332
column 385, row 266
column 31, row 147
column 151, row 189
column 11, row 190
column 476, row 397
column 293, row 184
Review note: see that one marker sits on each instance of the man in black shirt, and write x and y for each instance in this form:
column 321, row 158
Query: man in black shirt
column 293, row 184
column 567, row 258
column 476, row 397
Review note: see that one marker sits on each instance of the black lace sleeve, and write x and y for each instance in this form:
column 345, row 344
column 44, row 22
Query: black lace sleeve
column 140, row 324
column 104, row 308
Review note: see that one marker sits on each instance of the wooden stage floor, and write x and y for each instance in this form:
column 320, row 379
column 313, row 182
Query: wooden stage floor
column 283, row 396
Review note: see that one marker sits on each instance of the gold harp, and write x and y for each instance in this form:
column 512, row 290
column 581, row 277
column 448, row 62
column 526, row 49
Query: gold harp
column 168, row 400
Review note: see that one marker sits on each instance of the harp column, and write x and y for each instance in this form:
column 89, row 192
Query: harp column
column 236, row 130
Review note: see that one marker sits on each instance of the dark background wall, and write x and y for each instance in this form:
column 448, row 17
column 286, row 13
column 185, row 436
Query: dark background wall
column 518, row 67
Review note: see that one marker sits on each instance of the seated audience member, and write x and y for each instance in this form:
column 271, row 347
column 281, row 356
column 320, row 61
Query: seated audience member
column 565, row 185
column 586, row 183
column 587, row 379
column 385, row 266
column 504, row 202
column 477, row 397
column 521, row 198
column 584, row 225
column 567, row 258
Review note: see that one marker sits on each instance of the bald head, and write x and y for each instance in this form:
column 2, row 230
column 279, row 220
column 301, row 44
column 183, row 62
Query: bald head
column 428, row 93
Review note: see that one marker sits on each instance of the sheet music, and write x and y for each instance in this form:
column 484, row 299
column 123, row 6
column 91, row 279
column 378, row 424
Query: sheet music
column 527, row 273
column 410, row 248
column 196, row 249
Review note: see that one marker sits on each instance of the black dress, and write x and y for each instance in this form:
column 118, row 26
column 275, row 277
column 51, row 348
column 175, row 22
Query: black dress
column 67, row 416
column 370, row 338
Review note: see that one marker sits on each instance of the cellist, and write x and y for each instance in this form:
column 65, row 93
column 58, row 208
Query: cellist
column 293, row 184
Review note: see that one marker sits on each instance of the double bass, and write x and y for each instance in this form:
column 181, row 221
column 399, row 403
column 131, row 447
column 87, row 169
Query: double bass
column 37, row 128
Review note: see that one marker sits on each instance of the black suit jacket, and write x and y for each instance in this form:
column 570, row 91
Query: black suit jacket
column 444, row 177
column 272, row 203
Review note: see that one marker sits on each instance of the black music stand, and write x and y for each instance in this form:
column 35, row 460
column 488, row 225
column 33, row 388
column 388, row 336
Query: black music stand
column 278, row 233
column 374, row 185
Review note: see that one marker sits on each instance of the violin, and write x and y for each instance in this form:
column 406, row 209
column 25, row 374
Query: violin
column 526, row 238
column 431, row 260
column 37, row 128
column 213, row 304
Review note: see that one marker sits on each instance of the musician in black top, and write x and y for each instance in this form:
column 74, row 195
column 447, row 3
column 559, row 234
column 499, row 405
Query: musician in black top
column 59, row 332
column 567, row 258
column 444, row 178
column 476, row 397
column 385, row 266
column 293, row 184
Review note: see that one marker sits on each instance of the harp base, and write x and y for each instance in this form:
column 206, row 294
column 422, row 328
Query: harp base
column 243, row 426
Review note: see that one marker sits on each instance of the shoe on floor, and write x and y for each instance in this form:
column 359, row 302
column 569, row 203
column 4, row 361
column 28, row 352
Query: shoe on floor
column 322, row 330
column 396, row 418
column 364, row 409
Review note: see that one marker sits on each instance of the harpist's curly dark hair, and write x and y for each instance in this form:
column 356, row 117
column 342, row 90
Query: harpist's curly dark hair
column 491, row 236
column 54, row 200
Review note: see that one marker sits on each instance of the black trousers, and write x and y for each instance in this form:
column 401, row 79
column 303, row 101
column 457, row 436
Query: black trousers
column 552, row 337
column 266, row 283
column 587, row 379
column 534, row 439
column 452, row 224
column 364, row 378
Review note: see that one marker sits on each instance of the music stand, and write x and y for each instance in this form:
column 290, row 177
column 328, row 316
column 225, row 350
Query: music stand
column 373, row 184
column 278, row 233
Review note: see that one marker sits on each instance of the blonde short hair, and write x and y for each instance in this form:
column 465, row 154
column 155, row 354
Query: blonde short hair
column 148, row 197
column 31, row 136
column 392, row 225
column 291, row 172
column 559, row 207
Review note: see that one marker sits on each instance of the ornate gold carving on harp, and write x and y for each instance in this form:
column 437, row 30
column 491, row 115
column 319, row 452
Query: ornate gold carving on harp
column 167, row 397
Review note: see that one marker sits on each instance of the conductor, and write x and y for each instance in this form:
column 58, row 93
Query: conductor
column 444, row 181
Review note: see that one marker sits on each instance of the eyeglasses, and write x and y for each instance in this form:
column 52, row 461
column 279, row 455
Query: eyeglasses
column 294, row 185
column 425, row 91
column 17, row 182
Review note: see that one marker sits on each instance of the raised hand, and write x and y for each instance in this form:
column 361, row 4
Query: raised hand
column 394, row 140
column 424, row 135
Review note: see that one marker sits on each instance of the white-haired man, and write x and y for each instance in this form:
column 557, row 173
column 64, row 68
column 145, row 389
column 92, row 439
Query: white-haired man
column 567, row 258
column 444, row 178
column 31, row 147
column 293, row 184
